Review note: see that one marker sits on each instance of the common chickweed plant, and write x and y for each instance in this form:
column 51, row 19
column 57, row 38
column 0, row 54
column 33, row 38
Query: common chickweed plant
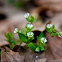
column 27, row 35
column 9, row 37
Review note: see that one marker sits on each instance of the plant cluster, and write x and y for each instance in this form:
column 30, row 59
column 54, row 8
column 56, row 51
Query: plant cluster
column 27, row 35
column 9, row 37
column 51, row 30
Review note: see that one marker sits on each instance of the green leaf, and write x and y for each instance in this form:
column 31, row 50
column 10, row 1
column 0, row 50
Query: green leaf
column 35, row 20
column 30, row 38
column 42, row 48
column 32, row 46
column 43, row 44
column 53, row 26
column 53, row 30
column 8, row 35
column 32, row 18
column 50, row 31
column 22, row 37
column 41, row 34
column 47, row 30
column 28, row 19
column 53, row 34
column 7, row 40
column 39, row 39
column 13, row 42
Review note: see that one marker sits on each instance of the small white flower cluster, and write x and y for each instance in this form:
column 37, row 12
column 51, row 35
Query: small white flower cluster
column 43, row 40
column 49, row 25
column 37, row 49
column 30, row 34
column 60, row 34
column 16, row 30
column 26, row 15
column 29, row 26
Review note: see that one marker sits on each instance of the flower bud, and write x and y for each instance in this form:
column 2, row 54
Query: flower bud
column 49, row 25
column 43, row 40
column 30, row 26
column 60, row 34
column 16, row 30
column 37, row 49
column 26, row 15
column 30, row 34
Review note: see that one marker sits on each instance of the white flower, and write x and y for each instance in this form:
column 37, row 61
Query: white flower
column 43, row 40
column 16, row 30
column 36, row 56
column 26, row 15
column 49, row 25
column 37, row 49
column 30, row 26
column 30, row 34
column 60, row 34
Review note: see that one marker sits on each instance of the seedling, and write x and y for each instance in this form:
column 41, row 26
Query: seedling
column 51, row 29
column 9, row 39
